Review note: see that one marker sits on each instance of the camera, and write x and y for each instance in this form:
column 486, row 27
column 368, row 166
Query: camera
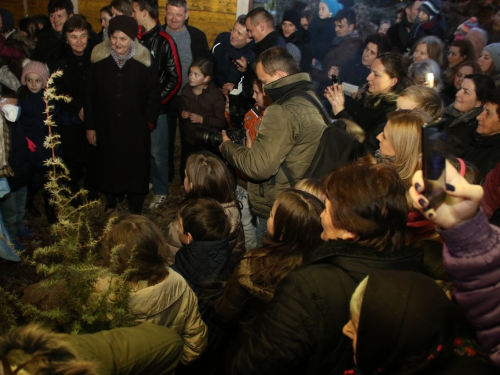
column 213, row 138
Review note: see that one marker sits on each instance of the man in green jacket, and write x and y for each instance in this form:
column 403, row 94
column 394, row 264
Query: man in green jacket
column 289, row 134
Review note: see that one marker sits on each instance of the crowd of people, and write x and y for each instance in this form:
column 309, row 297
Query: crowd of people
column 301, row 157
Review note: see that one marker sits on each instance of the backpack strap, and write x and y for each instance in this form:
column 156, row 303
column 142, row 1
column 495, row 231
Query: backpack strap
column 326, row 117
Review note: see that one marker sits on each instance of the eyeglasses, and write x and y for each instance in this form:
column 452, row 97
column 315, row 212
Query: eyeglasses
column 233, row 30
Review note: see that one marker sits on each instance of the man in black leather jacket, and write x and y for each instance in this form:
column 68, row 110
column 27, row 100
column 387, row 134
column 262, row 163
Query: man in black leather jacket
column 166, row 60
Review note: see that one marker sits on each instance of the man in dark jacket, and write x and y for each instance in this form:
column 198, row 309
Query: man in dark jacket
column 51, row 39
column 166, row 60
column 230, row 46
column 399, row 32
column 192, row 44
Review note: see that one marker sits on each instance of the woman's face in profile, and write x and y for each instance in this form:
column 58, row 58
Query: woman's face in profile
column 466, row 98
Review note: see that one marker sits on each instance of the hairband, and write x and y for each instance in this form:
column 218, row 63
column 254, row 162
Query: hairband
column 462, row 167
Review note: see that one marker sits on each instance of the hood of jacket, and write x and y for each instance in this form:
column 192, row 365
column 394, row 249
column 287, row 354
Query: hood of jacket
column 298, row 81
column 256, row 291
column 408, row 325
column 203, row 263
column 101, row 52
column 358, row 261
column 146, row 301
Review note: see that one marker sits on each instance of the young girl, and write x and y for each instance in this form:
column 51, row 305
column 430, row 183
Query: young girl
column 294, row 230
column 202, row 105
column 159, row 294
column 30, row 99
column 207, row 176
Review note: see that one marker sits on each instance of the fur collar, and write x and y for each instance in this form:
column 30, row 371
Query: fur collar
column 255, row 290
column 101, row 52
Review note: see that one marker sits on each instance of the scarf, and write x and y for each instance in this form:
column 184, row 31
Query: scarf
column 338, row 39
column 461, row 116
column 119, row 59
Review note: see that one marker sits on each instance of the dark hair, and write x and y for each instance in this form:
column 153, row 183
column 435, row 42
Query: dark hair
column 466, row 48
column 381, row 40
column 369, row 201
column 55, row 5
column 210, row 177
column 205, row 65
column 307, row 14
column 473, row 64
column 483, row 84
column 77, row 22
column 395, row 67
column 204, row 219
column 43, row 20
column 493, row 97
column 348, row 14
column 177, row 4
column 259, row 15
column 297, row 233
column 241, row 19
column 150, row 5
column 30, row 27
column 123, row 6
column 106, row 9
column 277, row 58
column 137, row 243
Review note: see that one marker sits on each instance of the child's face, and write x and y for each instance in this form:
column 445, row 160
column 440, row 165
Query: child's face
column 270, row 221
column 196, row 77
column 187, row 184
column 34, row 82
column 258, row 96
column 422, row 16
column 324, row 12
column 183, row 237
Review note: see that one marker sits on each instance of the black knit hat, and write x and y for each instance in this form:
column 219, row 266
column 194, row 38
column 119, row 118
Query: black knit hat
column 292, row 16
column 431, row 7
column 125, row 24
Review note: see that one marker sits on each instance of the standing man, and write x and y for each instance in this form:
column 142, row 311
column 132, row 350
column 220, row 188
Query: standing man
column 399, row 33
column 166, row 61
column 51, row 39
column 289, row 135
column 192, row 44
column 230, row 46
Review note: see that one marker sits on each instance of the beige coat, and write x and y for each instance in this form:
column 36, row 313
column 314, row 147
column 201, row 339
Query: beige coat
column 170, row 303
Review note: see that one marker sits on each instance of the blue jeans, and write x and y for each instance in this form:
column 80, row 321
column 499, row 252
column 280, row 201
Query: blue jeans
column 246, row 219
column 160, row 156
column 261, row 229
column 6, row 251
column 13, row 209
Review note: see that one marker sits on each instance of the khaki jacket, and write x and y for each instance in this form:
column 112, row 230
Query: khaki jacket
column 289, row 133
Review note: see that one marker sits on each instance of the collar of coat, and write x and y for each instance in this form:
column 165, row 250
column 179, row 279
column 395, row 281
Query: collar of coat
column 298, row 81
column 101, row 52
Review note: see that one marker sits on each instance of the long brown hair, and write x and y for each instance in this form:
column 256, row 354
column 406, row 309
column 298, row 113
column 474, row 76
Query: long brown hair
column 297, row 232
column 137, row 242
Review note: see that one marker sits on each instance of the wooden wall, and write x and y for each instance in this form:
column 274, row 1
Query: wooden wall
column 212, row 16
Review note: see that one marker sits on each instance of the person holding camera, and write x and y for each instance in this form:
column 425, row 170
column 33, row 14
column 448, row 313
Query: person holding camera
column 289, row 134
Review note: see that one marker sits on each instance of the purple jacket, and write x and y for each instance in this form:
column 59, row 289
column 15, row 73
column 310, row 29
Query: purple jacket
column 471, row 257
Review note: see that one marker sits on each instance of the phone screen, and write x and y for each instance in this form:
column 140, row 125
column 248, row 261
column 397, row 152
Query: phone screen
column 434, row 162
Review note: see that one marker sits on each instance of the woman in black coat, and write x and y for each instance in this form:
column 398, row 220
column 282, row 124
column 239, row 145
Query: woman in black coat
column 121, row 110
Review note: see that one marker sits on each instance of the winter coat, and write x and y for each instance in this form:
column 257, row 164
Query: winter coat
column 222, row 53
column 210, row 104
column 74, row 144
column 354, row 72
column 7, row 51
column 301, row 329
column 289, row 133
column 471, row 257
column 435, row 27
column 236, row 236
column 165, row 59
column 345, row 50
column 19, row 156
column 460, row 128
column 322, row 31
column 122, row 106
column 199, row 43
column 399, row 35
column 483, row 152
column 273, row 39
column 407, row 325
column 203, row 264
column 49, row 41
column 143, row 349
column 302, row 39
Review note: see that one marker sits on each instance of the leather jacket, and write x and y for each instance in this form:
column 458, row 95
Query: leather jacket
column 165, row 59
